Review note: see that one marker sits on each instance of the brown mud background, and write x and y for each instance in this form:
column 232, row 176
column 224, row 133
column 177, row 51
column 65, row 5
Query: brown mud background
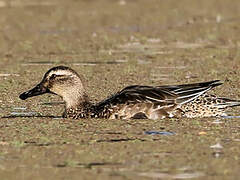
column 115, row 43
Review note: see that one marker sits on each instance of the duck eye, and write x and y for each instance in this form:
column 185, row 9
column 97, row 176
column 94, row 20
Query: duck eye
column 53, row 76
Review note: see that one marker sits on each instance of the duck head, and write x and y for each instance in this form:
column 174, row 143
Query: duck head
column 62, row 81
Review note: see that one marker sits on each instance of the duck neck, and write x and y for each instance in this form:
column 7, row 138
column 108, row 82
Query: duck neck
column 78, row 108
column 76, row 102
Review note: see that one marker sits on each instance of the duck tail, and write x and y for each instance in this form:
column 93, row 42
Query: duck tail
column 189, row 92
column 225, row 103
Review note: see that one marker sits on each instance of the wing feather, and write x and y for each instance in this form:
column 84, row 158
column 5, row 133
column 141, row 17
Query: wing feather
column 162, row 95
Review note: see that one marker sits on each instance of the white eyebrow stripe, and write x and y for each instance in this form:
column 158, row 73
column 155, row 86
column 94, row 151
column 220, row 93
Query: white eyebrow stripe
column 60, row 72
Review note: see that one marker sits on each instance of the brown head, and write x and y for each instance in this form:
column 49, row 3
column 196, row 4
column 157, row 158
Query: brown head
column 63, row 81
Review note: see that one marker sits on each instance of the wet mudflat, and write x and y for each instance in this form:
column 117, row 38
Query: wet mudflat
column 114, row 44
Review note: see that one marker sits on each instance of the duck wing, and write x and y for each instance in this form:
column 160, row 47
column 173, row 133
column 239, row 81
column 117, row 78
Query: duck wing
column 188, row 92
column 161, row 95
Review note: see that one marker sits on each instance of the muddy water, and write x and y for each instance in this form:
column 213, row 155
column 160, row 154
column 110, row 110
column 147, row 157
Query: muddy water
column 115, row 44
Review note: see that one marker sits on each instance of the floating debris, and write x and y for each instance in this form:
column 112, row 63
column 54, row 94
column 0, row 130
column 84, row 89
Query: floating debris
column 86, row 165
column 116, row 140
column 202, row 133
column 5, row 75
column 216, row 146
column 24, row 114
column 171, row 176
column 159, row 133
column 19, row 108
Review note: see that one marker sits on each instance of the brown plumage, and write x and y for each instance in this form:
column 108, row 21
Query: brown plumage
column 187, row 100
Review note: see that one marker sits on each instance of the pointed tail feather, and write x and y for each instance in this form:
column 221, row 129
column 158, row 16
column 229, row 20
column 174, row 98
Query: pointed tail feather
column 225, row 102
column 188, row 87
column 187, row 93
column 197, row 87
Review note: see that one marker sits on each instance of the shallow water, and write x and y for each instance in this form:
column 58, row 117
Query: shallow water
column 114, row 44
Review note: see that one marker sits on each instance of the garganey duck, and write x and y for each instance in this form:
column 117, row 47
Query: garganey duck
column 187, row 100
